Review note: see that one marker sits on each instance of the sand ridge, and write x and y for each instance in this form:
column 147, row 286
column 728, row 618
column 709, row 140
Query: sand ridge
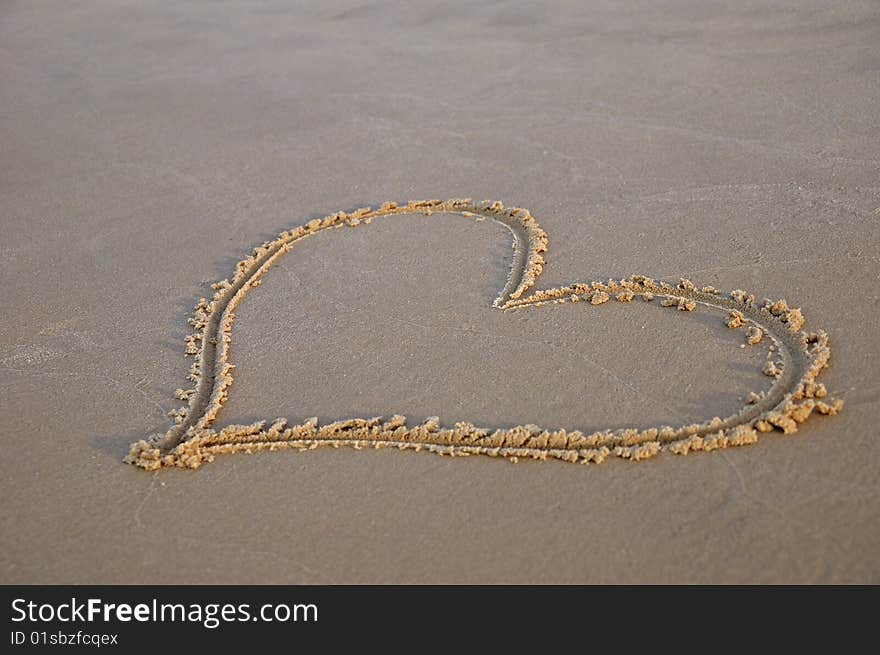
column 795, row 360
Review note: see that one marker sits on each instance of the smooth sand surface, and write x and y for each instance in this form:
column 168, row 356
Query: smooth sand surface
column 146, row 149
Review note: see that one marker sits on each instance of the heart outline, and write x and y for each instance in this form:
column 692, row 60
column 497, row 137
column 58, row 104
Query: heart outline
column 191, row 441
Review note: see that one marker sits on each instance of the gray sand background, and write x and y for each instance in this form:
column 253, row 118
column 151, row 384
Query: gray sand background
column 147, row 146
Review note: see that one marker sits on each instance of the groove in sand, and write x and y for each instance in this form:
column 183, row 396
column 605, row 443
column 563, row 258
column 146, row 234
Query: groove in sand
column 797, row 358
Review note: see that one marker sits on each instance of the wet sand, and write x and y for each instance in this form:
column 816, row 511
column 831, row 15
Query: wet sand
column 147, row 150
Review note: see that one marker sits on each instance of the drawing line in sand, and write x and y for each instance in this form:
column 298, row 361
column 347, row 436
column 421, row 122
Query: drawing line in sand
column 795, row 360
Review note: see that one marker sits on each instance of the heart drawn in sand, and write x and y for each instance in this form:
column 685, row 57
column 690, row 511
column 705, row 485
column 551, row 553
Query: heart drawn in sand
column 795, row 360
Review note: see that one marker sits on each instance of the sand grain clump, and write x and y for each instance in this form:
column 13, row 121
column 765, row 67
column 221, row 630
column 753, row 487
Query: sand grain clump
column 599, row 298
column 797, row 359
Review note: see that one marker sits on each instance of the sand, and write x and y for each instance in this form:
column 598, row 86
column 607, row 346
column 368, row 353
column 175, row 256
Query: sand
column 192, row 441
column 149, row 149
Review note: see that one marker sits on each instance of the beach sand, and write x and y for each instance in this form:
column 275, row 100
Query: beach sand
column 147, row 149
